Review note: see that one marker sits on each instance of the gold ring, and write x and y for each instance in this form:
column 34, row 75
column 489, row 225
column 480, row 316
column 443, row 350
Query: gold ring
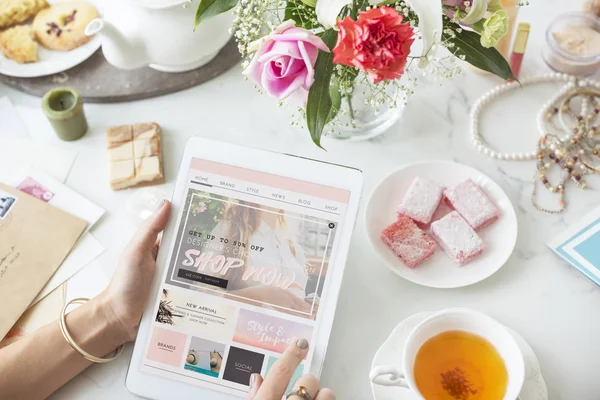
column 301, row 392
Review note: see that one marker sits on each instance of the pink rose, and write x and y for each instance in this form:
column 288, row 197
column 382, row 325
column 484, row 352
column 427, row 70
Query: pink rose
column 378, row 42
column 284, row 63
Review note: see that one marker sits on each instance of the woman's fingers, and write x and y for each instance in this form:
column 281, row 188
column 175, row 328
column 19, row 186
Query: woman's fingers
column 279, row 376
column 255, row 382
column 145, row 238
column 308, row 382
column 325, row 394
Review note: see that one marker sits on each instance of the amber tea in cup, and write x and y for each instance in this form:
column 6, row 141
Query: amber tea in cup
column 458, row 365
column 456, row 354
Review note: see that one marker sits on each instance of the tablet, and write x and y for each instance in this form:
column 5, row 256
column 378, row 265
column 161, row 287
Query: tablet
column 252, row 258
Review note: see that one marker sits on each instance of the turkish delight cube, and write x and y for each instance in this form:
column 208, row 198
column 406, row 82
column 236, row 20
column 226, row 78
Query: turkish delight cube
column 473, row 204
column 460, row 242
column 408, row 241
column 421, row 200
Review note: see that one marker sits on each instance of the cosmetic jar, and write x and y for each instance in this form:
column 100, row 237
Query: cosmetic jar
column 573, row 44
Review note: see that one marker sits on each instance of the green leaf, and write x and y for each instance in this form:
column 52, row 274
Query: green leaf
column 468, row 44
column 211, row 8
column 336, row 101
column 319, row 104
column 292, row 13
column 299, row 15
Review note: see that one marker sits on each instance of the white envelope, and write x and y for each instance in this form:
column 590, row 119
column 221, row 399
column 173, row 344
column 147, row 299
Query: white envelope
column 58, row 195
column 17, row 153
column 88, row 283
column 12, row 125
column 85, row 251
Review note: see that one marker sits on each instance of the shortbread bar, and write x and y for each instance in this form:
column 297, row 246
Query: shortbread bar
column 135, row 156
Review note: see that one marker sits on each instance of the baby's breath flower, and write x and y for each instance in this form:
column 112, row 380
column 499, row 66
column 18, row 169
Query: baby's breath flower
column 254, row 19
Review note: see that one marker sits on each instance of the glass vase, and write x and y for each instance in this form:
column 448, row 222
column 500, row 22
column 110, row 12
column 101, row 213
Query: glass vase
column 363, row 116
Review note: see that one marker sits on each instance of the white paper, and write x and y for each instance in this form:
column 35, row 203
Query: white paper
column 88, row 283
column 62, row 197
column 12, row 125
column 86, row 250
column 17, row 153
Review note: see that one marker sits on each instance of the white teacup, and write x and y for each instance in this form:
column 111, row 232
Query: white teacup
column 450, row 320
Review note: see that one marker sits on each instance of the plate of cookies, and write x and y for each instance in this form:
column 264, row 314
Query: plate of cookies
column 39, row 38
column 441, row 224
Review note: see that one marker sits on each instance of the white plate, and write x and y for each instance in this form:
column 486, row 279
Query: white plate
column 50, row 61
column 439, row 271
column 390, row 353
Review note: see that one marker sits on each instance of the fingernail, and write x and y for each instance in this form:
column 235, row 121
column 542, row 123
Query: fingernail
column 160, row 205
column 302, row 343
column 253, row 379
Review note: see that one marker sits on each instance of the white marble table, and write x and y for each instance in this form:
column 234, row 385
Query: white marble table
column 553, row 307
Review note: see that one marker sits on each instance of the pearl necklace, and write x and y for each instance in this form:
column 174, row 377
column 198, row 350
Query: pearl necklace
column 476, row 137
column 566, row 151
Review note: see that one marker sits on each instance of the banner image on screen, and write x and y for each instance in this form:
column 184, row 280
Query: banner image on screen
column 247, row 272
column 254, row 253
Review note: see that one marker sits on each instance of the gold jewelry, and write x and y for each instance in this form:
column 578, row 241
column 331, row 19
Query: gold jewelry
column 561, row 191
column 301, row 392
column 570, row 150
column 75, row 346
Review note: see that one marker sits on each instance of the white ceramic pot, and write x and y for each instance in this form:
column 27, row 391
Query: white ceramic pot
column 159, row 34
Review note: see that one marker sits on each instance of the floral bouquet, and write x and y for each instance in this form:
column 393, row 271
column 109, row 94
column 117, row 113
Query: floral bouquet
column 313, row 53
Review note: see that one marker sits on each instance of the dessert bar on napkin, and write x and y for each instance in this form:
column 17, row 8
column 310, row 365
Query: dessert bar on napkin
column 35, row 238
column 135, row 156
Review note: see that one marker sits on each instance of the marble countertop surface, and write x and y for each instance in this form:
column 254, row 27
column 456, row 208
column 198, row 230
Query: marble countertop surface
column 550, row 304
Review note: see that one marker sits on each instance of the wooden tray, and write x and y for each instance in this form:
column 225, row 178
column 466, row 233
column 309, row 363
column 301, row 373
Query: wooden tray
column 100, row 82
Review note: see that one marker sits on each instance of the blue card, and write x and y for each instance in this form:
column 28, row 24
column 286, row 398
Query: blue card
column 580, row 246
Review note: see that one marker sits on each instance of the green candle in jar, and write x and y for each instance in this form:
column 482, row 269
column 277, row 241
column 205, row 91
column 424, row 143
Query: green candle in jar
column 64, row 109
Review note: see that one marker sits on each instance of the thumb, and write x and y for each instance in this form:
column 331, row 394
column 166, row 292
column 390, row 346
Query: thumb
column 148, row 232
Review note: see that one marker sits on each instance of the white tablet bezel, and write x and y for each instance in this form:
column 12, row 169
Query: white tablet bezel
column 159, row 388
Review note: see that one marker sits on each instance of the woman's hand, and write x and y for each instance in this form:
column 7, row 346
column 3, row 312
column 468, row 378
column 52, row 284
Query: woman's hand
column 98, row 326
column 127, row 294
column 275, row 296
column 274, row 386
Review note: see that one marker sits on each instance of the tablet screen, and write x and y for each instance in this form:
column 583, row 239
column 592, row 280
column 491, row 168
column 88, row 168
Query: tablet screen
column 250, row 265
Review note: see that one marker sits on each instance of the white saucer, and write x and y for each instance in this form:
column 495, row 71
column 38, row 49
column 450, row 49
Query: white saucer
column 390, row 352
column 439, row 271
column 50, row 61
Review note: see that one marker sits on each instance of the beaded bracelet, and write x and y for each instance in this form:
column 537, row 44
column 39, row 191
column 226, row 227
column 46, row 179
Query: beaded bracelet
column 75, row 346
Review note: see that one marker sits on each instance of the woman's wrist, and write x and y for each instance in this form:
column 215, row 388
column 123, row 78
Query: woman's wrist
column 94, row 328
column 123, row 331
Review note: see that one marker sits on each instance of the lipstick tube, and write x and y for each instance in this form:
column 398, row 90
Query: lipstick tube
column 516, row 57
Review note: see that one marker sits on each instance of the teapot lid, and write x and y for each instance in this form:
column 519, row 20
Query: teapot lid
column 162, row 3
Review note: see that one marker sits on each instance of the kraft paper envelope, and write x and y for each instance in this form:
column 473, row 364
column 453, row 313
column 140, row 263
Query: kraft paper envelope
column 43, row 313
column 35, row 238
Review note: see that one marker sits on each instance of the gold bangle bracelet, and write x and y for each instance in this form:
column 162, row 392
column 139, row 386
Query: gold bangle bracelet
column 75, row 346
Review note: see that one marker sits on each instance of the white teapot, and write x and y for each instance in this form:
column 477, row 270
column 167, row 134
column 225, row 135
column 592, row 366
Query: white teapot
column 159, row 34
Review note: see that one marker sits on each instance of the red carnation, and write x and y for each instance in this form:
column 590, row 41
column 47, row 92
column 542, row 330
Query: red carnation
column 377, row 43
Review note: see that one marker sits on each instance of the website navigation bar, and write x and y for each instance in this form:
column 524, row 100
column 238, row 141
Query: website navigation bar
column 265, row 192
